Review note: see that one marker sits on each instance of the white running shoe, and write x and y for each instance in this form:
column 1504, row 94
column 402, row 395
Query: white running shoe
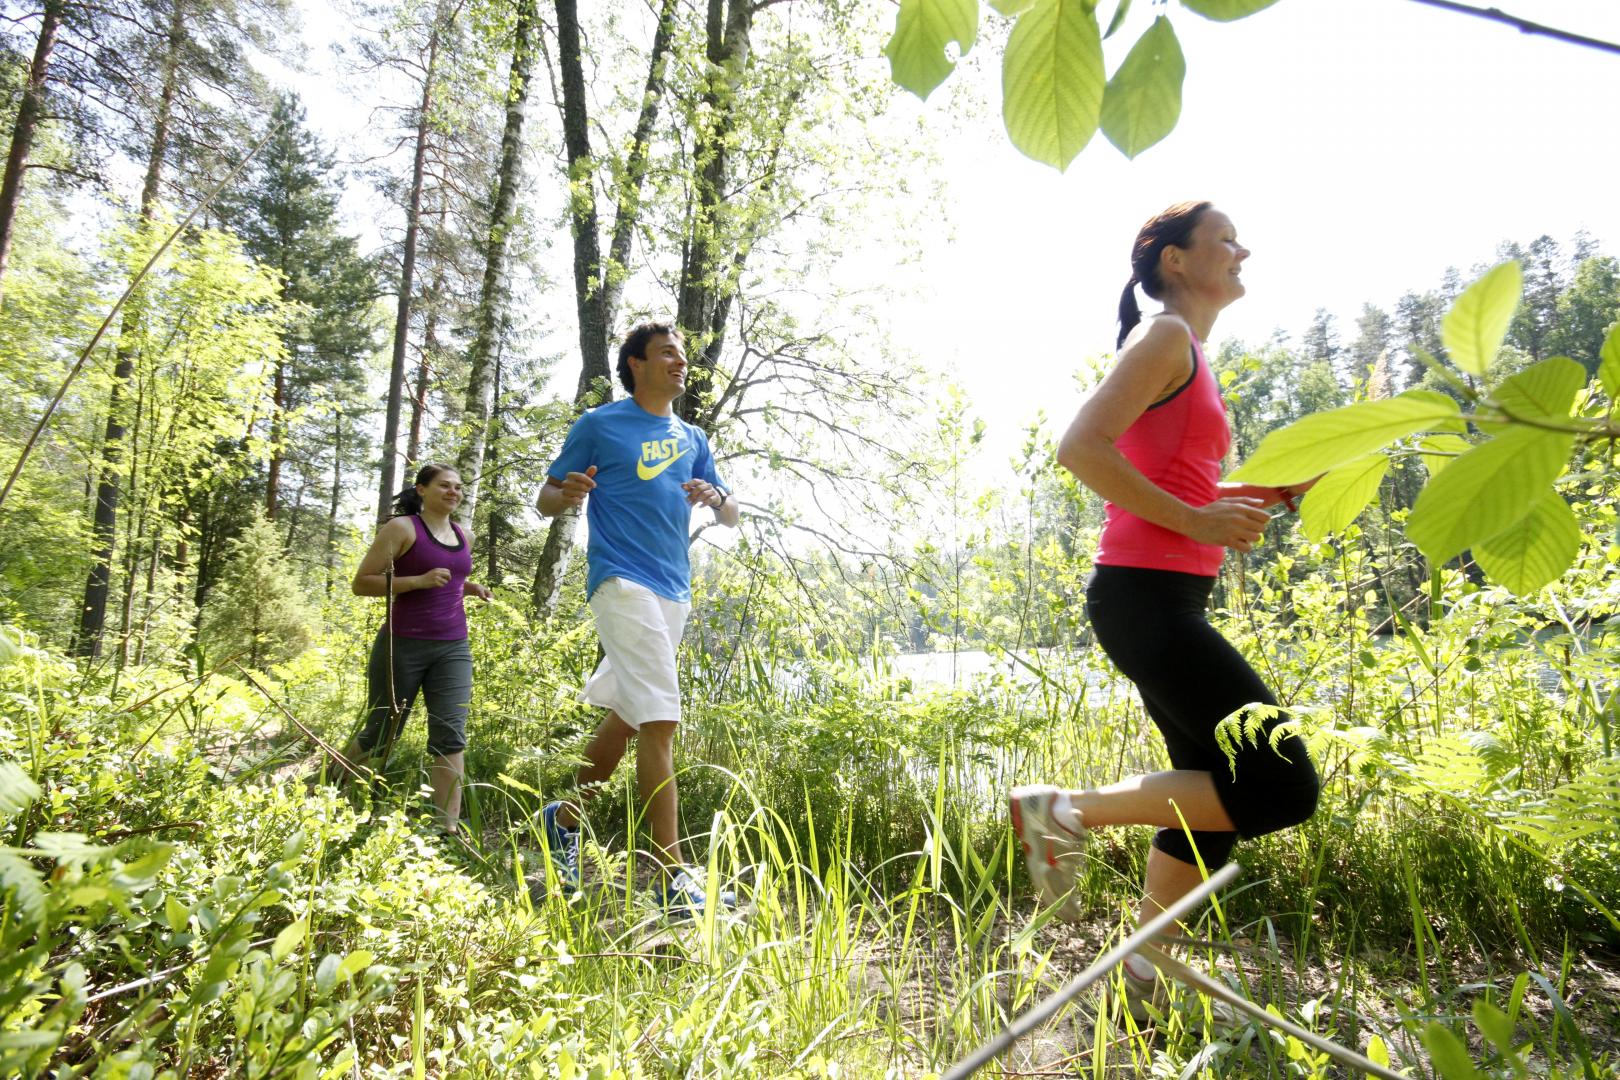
column 1146, row 997
column 1142, row 988
column 1054, row 852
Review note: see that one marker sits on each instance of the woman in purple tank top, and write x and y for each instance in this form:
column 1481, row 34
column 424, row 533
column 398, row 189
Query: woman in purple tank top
column 430, row 557
column 1151, row 440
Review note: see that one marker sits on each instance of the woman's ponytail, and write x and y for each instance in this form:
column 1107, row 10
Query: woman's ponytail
column 1170, row 228
column 407, row 502
column 1129, row 313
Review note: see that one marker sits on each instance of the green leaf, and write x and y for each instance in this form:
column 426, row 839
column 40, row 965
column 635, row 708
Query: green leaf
column 353, row 964
column 1609, row 366
column 1377, row 1051
column 1118, row 20
column 1326, row 440
column 1143, row 99
column 1226, row 10
column 18, row 877
column 17, row 789
column 67, row 846
column 1438, row 451
column 1476, row 324
column 1495, row 1026
column 1543, row 391
column 1485, row 491
column 923, row 28
column 1052, row 81
column 326, row 973
column 1447, row 1052
column 1535, row 550
column 289, row 939
column 1341, row 495
column 176, row 914
column 1010, row 8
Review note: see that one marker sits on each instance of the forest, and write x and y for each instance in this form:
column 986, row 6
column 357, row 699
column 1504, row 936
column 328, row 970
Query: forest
column 227, row 343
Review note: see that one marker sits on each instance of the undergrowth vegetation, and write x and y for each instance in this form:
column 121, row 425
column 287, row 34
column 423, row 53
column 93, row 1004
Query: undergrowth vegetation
column 186, row 894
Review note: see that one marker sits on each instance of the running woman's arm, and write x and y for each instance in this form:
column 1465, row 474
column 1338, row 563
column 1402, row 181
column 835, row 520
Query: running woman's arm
column 1147, row 369
column 1268, row 496
column 393, row 540
column 469, row 587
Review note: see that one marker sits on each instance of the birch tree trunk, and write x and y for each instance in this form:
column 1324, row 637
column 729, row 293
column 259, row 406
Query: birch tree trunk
column 495, row 294
column 706, row 286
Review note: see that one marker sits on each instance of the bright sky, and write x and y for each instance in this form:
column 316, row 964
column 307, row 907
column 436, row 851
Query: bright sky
column 1361, row 147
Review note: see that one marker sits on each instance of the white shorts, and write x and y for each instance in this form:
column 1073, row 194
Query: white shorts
column 639, row 631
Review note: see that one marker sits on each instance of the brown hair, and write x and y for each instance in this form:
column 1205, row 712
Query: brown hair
column 635, row 344
column 409, row 501
column 1169, row 228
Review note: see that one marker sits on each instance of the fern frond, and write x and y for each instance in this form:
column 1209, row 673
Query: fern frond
column 1586, row 806
column 1463, row 764
column 1246, row 726
column 19, row 877
column 17, row 789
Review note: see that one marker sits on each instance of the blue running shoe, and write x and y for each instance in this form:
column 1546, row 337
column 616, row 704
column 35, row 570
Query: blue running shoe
column 681, row 897
column 563, row 843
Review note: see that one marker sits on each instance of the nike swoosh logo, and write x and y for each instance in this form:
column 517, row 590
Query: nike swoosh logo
column 647, row 474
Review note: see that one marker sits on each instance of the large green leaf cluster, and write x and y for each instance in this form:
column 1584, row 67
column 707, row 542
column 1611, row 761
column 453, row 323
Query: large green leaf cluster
column 1056, row 92
column 1495, row 470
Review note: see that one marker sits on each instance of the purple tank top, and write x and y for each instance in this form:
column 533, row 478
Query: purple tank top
column 432, row 614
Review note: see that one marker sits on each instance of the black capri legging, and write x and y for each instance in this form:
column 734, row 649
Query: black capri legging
column 1151, row 624
column 441, row 670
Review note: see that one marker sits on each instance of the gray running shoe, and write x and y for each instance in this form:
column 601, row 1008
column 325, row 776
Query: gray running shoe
column 1054, row 852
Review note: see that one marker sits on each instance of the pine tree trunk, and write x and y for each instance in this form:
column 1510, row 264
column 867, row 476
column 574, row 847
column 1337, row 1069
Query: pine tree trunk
column 430, row 345
column 496, row 519
column 278, row 438
column 494, row 295
column 597, row 289
column 93, row 612
column 133, row 535
column 402, row 317
column 582, row 210
column 29, row 111
column 337, row 494
column 148, row 604
column 212, row 542
column 292, row 526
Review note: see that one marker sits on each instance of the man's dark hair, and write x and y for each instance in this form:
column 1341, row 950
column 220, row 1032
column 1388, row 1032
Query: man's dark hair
column 635, row 344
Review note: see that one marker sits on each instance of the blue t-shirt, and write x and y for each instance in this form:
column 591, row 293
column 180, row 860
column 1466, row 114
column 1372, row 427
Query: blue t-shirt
column 639, row 518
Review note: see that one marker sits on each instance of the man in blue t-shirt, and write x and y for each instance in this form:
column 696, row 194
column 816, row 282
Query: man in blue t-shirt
column 644, row 469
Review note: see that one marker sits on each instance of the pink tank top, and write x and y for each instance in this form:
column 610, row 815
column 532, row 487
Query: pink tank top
column 433, row 614
column 1178, row 444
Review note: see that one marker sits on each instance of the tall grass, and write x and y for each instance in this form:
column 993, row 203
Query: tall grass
column 219, row 915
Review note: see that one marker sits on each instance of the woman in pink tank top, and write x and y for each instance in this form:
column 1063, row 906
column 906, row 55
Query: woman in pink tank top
column 1151, row 441
column 423, row 646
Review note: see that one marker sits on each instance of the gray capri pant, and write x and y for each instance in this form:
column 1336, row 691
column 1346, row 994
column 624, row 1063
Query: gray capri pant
column 442, row 670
